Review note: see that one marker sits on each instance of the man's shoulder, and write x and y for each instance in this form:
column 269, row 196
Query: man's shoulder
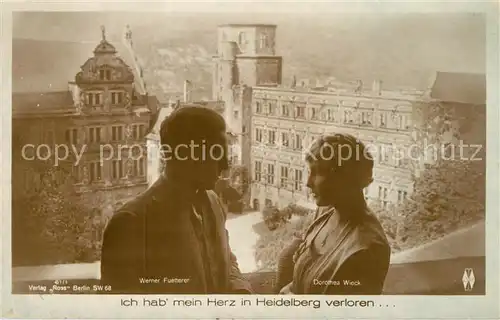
column 140, row 204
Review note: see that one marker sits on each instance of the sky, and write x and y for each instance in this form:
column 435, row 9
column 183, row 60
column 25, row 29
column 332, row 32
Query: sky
column 402, row 49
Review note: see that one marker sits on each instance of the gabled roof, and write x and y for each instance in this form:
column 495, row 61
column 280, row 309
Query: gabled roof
column 47, row 66
column 468, row 88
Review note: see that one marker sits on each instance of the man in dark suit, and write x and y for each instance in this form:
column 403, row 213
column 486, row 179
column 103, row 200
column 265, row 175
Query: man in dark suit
column 172, row 238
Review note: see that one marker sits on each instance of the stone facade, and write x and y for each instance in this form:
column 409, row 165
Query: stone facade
column 103, row 115
column 276, row 124
column 285, row 122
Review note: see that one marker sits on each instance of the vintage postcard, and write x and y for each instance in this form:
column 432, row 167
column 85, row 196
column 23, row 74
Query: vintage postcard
column 250, row 160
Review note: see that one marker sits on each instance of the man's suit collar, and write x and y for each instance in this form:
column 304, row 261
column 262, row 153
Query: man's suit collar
column 167, row 191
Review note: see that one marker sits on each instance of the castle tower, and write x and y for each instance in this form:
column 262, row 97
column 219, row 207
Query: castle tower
column 225, row 69
column 253, row 52
column 246, row 57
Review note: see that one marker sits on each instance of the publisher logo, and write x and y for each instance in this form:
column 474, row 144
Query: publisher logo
column 468, row 279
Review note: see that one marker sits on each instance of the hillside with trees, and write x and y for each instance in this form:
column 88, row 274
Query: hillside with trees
column 175, row 47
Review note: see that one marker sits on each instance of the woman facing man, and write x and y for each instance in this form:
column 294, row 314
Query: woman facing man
column 344, row 250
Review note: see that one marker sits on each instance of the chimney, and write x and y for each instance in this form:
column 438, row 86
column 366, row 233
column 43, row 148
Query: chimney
column 377, row 87
column 187, row 91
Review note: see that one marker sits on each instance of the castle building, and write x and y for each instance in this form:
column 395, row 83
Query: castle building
column 275, row 124
column 100, row 113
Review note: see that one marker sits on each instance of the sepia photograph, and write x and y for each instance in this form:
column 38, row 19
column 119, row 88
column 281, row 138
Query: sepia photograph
column 248, row 153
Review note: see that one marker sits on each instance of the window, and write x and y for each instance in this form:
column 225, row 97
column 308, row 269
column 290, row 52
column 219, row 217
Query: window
column 285, row 111
column 382, row 195
column 329, row 115
column 105, row 74
column 270, row 173
column 242, row 39
column 235, row 114
column 95, row 172
column 234, row 159
column 314, row 112
column 300, row 112
column 402, row 196
column 403, row 123
column 94, row 134
column 263, row 41
column 366, row 118
column 258, row 107
column 117, row 133
column 271, row 137
column 285, row 139
column 258, row 171
column 138, row 131
column 298, row 142
column 94, row 98
column 298, row 180
column 116, row 97
column 71, row 136
column 258, row 135
column 139, row 167
column 284, row 177
column 407, row 122
column 383, row 119
column 117, row 172
column 348, row 116
column 272, row 108
column 385, row 153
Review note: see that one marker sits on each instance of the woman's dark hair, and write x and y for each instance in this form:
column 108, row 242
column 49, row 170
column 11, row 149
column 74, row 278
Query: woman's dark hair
column 343, row 152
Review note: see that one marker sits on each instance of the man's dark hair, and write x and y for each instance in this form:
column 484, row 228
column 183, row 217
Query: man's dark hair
column 192, row 123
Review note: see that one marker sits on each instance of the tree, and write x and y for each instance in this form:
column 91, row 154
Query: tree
column 449, row 192
column 239, row 178
column 447, row 195
column 271, row 243
column 293, row 209
column 392, row 222
column 449, row 189
column 273, row 217
column 50, row 223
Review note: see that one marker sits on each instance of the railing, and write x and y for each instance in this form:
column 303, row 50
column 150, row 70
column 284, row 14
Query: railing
column 442, row 277
column 436, row 268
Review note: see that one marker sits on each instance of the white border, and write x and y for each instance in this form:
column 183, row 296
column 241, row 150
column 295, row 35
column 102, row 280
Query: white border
column 439, row 307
